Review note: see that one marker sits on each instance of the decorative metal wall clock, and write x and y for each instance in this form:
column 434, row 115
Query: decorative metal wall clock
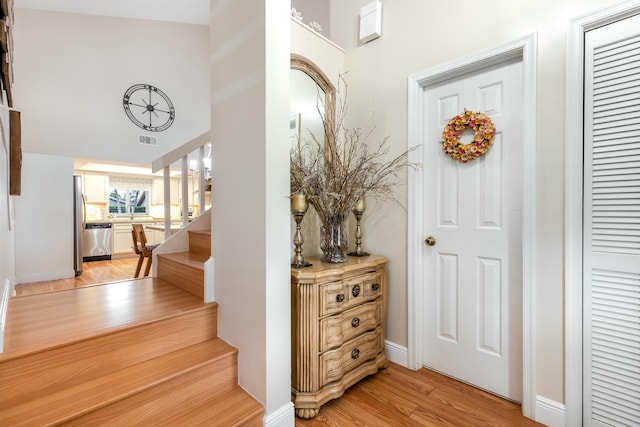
column 148, row 107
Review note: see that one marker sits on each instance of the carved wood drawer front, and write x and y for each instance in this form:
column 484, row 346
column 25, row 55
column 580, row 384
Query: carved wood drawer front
column 372, row 287
column 334, row 364
column 335, row 330
column 339, row 296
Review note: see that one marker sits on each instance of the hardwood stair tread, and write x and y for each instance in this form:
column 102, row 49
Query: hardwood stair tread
column 42, row 321
column 193, row 259
column 201, row 235
column 201, row 232
column 233, row 408
column 167, row 399
column 200, row 241
column 40, row 373
column 133, row 352
column 79, row 399
column 184, row 269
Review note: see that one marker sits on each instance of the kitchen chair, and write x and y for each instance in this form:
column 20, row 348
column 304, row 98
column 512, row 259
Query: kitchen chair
column 141, row 248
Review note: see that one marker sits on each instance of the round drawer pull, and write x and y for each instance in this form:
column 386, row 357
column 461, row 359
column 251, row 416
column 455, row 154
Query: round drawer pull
column 355, row 322
column 355, row 353
column 340, row 298
column 355, row 291
column 375, row 286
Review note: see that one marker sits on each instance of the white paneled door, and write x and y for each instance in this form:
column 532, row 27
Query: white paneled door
column 611, row 268
column 473, row 211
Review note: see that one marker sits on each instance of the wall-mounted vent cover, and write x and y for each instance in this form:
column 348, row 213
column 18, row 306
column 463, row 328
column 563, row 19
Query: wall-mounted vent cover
column 370, row 21
column 148, row 140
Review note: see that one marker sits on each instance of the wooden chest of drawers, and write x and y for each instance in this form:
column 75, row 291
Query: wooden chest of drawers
column 337, row 322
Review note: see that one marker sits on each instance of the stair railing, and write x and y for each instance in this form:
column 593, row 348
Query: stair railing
column 182, row 153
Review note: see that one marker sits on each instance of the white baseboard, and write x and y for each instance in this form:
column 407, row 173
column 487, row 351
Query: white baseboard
column 41, row 277
column 549, row 412
column 397, row 353
column 285, row 416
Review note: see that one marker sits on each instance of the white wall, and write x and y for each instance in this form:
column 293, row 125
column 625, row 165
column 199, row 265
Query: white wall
column 7, row 224
column 193, row 11
column 71, row 72
column 418, row 35
column 328, row 56
column 44, row 219
column 250, row 223
column 314, row 10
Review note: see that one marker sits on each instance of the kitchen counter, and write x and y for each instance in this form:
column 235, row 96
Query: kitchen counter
column 154, row 230
column 174, row 228
column 128, row 220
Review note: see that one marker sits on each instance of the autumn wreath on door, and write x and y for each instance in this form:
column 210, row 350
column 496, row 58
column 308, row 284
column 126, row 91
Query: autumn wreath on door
column 484, row 132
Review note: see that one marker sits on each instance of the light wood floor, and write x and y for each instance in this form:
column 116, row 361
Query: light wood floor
column 92, row 273
column 393, row 397
column 397, row 396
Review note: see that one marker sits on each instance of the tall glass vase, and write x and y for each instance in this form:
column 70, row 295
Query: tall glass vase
column 333, row 239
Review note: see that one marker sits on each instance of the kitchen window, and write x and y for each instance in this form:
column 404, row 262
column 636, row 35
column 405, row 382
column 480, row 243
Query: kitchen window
column 129, row 202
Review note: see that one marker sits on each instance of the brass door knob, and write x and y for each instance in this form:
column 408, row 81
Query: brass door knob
column 430, row 241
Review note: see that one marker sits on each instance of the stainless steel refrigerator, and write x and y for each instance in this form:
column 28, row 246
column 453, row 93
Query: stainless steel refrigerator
column 78, row 223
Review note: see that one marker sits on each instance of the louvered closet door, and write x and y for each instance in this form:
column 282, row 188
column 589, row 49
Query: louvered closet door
column 612, row 225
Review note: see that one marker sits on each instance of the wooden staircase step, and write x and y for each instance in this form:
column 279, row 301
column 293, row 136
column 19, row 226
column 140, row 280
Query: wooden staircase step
column 200, row 241
column 235, row 408
column 36, row 322
column 184, row 270
column 135, row 352
column 161, row 402
column 217, row 357
column 68, row 354
column 188, row 259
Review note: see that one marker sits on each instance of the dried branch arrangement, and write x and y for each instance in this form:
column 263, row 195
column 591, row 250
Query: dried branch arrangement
column 334, row 173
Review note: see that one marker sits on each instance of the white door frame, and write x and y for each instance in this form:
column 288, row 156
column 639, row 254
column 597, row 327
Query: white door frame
column 524, row 49
column 574, row 127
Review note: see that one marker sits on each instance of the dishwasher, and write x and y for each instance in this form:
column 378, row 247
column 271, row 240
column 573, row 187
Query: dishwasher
column 97, row 241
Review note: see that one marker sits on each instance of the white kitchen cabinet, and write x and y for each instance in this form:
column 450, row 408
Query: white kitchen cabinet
column 122, row 239
column 96, row 187
column 157, row 192
column 156, row 236
column 160, row 236
column 150, row 234
column 189, row 191
column 123, row 242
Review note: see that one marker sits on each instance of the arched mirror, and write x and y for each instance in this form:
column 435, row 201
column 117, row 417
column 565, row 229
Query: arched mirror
column 310, row 91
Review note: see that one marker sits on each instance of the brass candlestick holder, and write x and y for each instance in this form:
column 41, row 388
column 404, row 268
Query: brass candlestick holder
column 358, row 210
column 299, row 207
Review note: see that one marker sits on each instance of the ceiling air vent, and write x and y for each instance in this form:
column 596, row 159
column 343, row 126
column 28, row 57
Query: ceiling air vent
column 147, row 140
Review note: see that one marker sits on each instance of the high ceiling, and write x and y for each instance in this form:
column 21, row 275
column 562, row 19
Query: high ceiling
column 189, row 11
